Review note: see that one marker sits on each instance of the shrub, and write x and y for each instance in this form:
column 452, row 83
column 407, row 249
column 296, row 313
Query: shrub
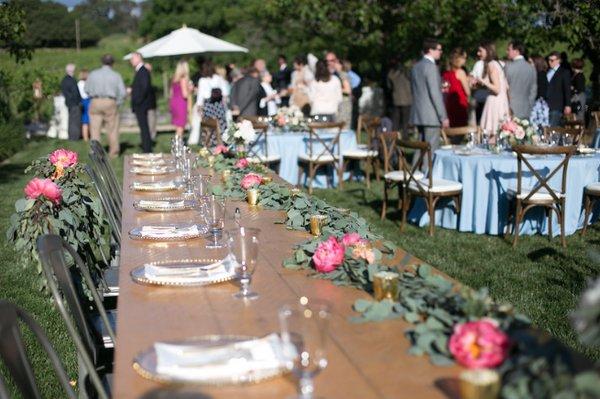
column 12, row 138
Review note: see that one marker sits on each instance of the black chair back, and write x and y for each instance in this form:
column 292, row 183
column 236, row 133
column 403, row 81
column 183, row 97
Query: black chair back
column 107, row 204
column 104, row 179
column 13, row 353
column 107, row 169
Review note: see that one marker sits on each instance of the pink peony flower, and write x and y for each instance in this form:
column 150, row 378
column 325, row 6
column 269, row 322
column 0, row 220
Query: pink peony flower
column 519, row 133
column 220, row 149
column 63, row 158
column 328, row 255
column 242, row 163
column 364, row 251
column 250, row 180
column 350, row 239
column 479, row 344
column 43, row 187
column 509, row 126
column 281, row 120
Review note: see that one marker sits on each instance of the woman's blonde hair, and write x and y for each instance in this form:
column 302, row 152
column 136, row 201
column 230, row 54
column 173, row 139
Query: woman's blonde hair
column 182, row 71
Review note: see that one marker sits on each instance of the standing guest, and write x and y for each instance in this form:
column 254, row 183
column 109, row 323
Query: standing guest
column 152, row 110
column 180, row 91
column 261, row 67
column 480, row 92
column 344, row 113
column 214, row 107
column 457, row 91
column 142, row 98
column 246, row 94
column 268, row 104
column 282, row 80
column 325, row 94
column 559, row 89
column 70, row 91
column 540, row 112
column 398, row 81
column 209, row 80
column 301, row 79
column 428, row 112
column 85, row 105
column 522, row 81
column 578, row 99
column 496, row 108
column 356, row 88
column 107, row 91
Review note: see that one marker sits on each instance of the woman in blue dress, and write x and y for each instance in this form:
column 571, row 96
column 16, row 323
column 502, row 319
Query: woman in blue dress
column 85, row 105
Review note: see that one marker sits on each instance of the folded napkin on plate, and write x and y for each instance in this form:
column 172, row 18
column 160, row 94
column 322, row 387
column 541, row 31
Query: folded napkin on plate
column 202, row 362
column 159, row 184
column 191, row 274
column 147, row 155
column 170, row 231
column 148, row 162
column 161, row 203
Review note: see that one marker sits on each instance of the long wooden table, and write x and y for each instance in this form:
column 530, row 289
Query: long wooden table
column 367, row 360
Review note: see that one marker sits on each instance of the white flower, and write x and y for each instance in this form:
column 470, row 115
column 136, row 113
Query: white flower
column 245, row 132
column 525, row 122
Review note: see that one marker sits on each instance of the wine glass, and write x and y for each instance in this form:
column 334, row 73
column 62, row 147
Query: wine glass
column 243, row 246
column 304, row 328
column 215, row 219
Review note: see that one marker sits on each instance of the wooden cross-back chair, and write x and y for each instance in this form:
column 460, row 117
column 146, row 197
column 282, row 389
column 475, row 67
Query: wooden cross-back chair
column 541, row 194
column 366, row 151
column 258, row 151
column 210, row 132
column 327, row 155
column 575, row 132
column 455, row 135
column 430, row 189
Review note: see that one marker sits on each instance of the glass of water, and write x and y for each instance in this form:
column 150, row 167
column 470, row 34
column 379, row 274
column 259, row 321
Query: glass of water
column 215, row 219
column 243, row 246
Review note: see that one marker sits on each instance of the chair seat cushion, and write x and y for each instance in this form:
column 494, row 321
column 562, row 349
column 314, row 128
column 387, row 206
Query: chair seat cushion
column 438, row 185
column 265, row 159
column 100, row 327
column 400, row 175
column 317, row 158
column 541, row 195
column 593, row 188
column 360, row 153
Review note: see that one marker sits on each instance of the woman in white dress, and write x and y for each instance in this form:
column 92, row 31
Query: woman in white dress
column 496, row 107
column 325, row 94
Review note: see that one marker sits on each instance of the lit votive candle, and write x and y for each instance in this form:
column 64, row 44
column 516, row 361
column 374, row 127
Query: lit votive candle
column 479, row 384
column 252, row 196
column 267, row 179
column 225, row 174
column 386, row 285
column 316, row 224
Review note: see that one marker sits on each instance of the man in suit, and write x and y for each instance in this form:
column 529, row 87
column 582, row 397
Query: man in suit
column 282, row 80
column 142, row 99
column 428, row 112
column 70, row 91
column 559, row 89
column 246, row 94
column 398, row 82
column 522, row 81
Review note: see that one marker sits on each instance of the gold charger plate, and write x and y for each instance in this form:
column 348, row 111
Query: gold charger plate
column 145, row 365
column 136, row 234
column 169, row 205
column 138, row 276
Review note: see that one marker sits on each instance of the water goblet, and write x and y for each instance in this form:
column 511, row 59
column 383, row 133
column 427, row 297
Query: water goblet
column 242, row 243
column 304, row 328
column 215, row 219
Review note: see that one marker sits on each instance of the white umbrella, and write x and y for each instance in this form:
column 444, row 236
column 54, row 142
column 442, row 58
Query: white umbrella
column 187, row 41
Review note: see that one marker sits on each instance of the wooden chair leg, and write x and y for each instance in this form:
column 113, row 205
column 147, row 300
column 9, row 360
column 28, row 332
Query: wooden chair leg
column 431, row 206
column 369, row 162
column 517, row 222
column 377, row 171
column 549, row 218
column 588, row 210
column 340, row 172
column 457, row 205
column 562, row 224
column 311, row 175
column 405, row 204
column 300, row 173
column 385, row 199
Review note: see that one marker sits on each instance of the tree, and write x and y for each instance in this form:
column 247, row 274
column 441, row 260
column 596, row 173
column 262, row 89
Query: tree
column 12, row 31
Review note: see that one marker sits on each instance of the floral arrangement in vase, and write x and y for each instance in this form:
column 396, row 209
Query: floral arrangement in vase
column 291, row 118
column 517, row 131
column 240, row 134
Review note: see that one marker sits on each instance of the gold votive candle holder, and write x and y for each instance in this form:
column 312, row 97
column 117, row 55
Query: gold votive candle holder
column 316, row 224
column 479, row 384
column 225, row 175
column 211, row 161
column 386, row 285
column 252, row 196
column 203, row 152
column 294, row 192
column 267, row 179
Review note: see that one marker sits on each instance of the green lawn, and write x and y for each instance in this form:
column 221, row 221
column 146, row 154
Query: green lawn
column 539, row 277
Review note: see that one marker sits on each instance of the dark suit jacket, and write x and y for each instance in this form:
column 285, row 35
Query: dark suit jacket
column 246, row 94
column 282, row 79
column 142, row 93
column 70, row 91
column 559, row 90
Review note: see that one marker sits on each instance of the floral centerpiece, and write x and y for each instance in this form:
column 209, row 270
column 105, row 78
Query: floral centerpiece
column 291, row 118
column 241, row 135
column 517, row 131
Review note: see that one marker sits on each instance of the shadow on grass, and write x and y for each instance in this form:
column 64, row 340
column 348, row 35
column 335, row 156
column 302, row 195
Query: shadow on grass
column 10, row 172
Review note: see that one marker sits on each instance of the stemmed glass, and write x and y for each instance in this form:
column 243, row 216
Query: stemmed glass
column 215, row 219
column 201, row 191
column 304, row 327
column 243, row 246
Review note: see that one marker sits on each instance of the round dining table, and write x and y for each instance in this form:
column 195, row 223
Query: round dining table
column 487, row 179
column 290, row 144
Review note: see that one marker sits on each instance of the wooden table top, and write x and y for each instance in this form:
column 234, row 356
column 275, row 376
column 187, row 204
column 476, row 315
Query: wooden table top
column 368, row 360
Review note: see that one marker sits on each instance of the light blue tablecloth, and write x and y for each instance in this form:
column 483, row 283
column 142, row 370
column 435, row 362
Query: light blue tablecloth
column 289, row 145
column 486, row 180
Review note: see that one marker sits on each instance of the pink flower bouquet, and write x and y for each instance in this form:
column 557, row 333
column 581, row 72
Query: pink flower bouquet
column 251, row 180
column 479, row 344
column 517, row 131
column 63, row 158
column 329, row 255
column 242, row 163
column 220, row 149
column 43, row 187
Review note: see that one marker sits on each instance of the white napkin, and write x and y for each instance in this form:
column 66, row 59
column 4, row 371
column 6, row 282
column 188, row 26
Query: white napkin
column 147, row 156
column 237, row 360
column 148, row 162
column 158, row 184
column 149, row 169
column 161, row 203
column 169, row 231
column 191, row 274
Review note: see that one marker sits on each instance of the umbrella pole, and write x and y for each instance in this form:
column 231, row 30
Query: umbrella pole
column 165, row 80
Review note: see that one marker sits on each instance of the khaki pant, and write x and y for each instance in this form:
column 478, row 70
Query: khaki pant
column 105, row 110
column 152, row 122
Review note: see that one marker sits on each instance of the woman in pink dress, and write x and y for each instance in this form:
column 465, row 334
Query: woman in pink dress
column 496, row 108
column 178, row 103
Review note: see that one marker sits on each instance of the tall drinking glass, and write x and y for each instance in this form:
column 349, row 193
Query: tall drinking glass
column 243, row 246
column 304, row 327
column 215, row 219
column 201, row 189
